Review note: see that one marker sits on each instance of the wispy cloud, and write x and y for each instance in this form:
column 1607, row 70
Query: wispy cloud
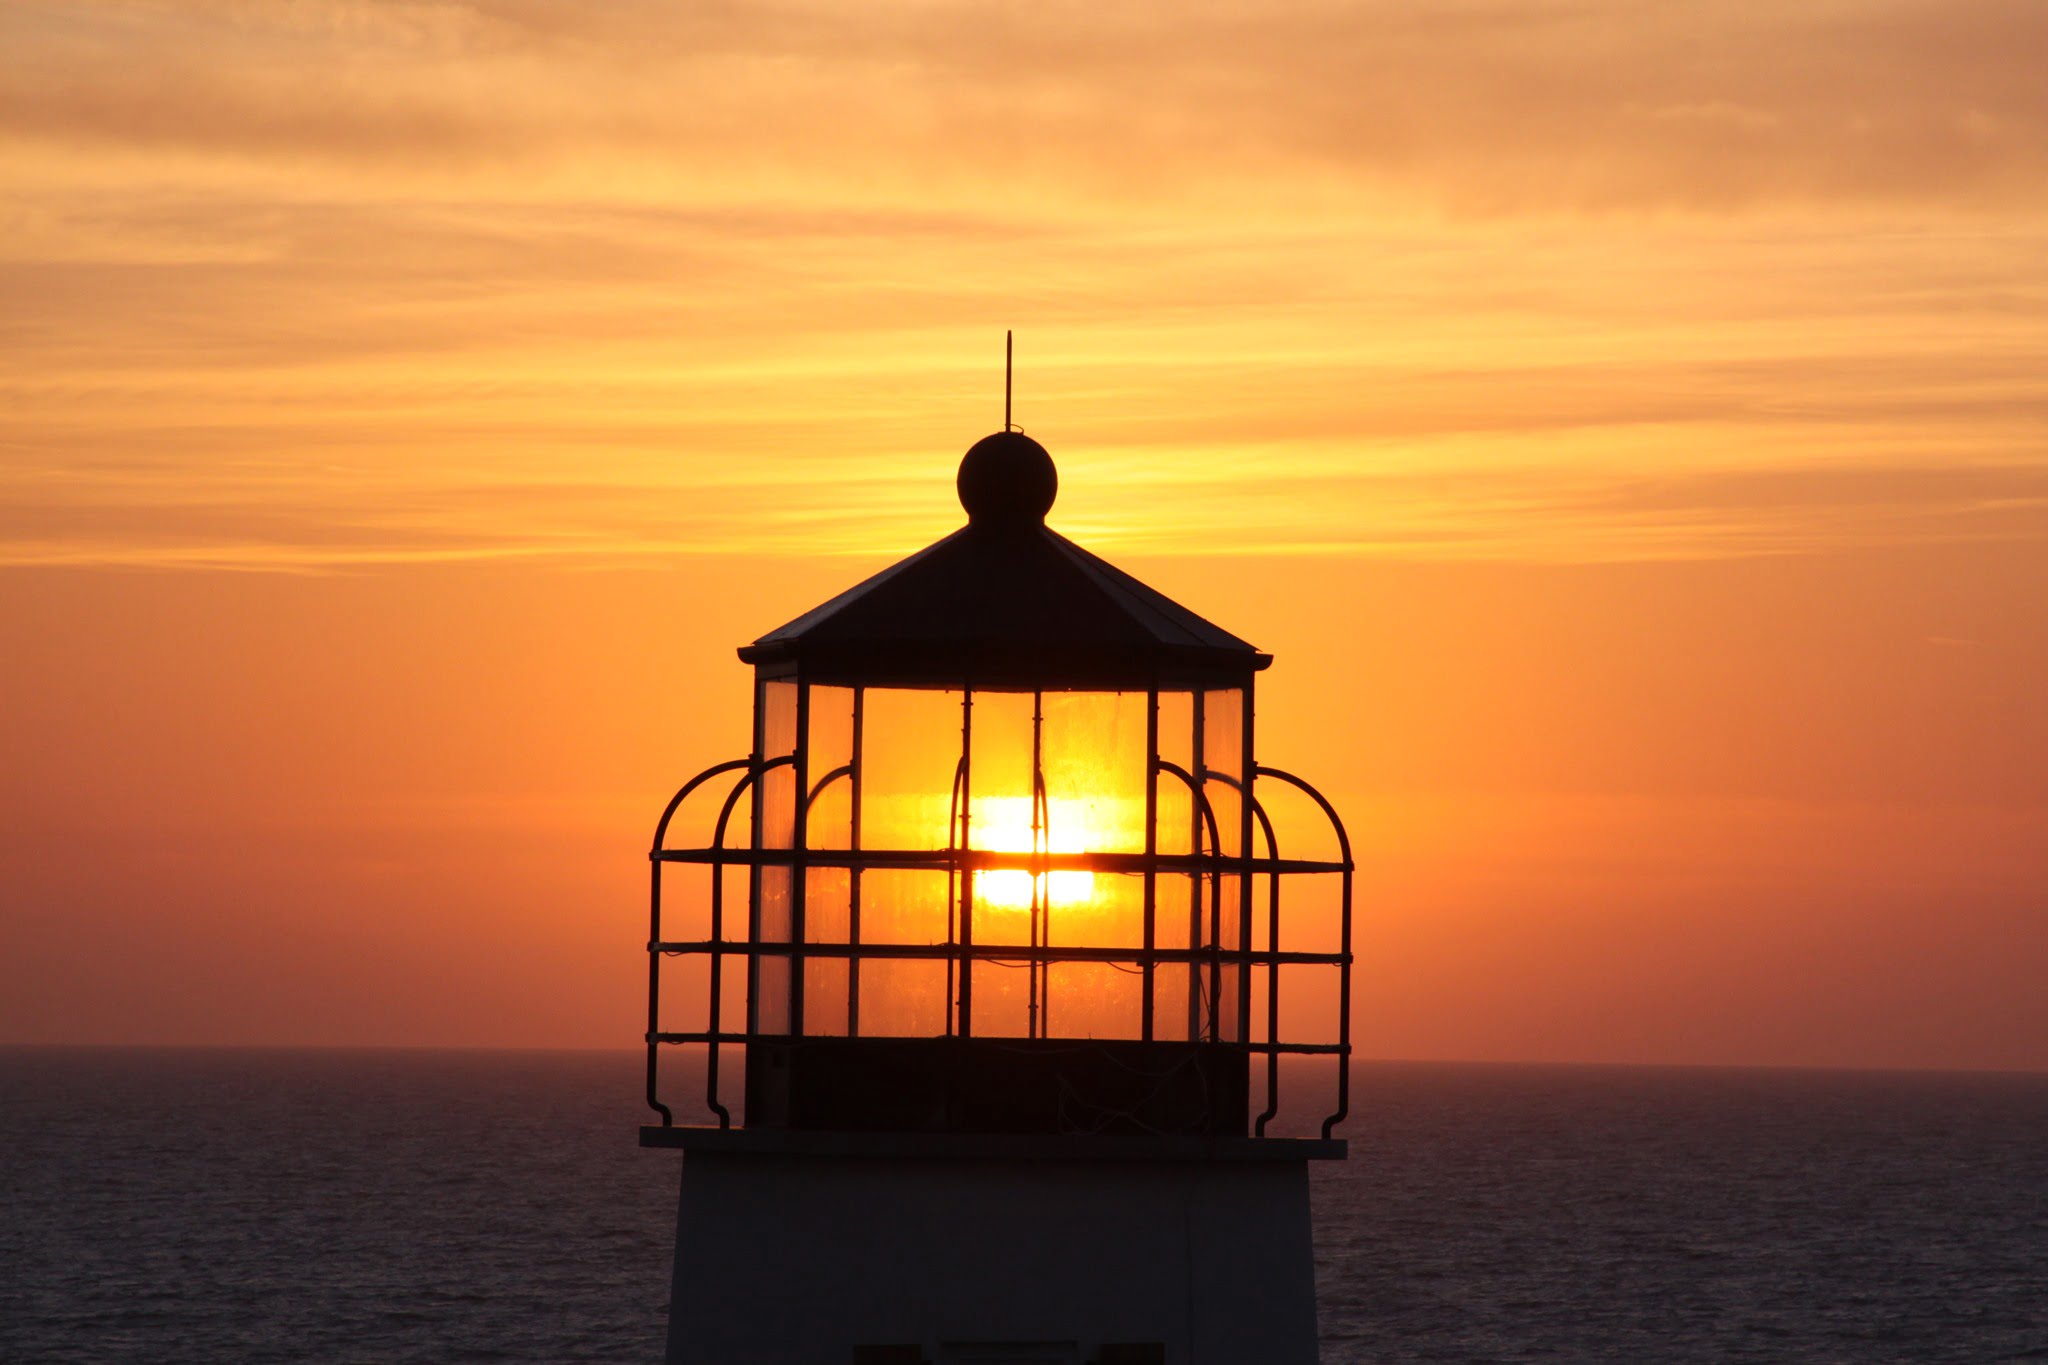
column 1484, row 105
column 338, row 283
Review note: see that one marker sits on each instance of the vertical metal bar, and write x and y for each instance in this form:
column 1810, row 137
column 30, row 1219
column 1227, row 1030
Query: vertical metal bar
column 853, row 873
column 952, row 890
column 1199, row 767
column 1215, row 927
column 757, row 807
column 799, row 868
column 654, row 991
column 1215, row 1021
column 1343, row 1011
column 967, row 873
column 1036, row 972
column 1150, row 968
column 1246, row 768
column 713, row 1004
column 1195, row 799
column 753, row 778
column 1272, row 975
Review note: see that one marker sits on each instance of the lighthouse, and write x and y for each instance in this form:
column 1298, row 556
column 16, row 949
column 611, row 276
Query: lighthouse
column 970, row 982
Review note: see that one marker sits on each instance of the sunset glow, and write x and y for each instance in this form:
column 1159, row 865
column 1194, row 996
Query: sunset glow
column 1622, row 423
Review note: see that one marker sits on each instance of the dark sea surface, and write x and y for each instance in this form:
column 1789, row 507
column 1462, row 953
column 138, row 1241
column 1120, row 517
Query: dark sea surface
column 186, row 1206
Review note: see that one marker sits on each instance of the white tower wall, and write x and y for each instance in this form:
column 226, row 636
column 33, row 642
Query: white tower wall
column 797, row 1258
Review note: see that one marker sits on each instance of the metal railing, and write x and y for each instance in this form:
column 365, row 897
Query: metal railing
column 1212, row 964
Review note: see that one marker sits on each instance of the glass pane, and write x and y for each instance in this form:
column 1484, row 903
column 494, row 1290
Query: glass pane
column 902, row 999
column 732, row 993
column 772, row 910
column 1229, row 976
column 1174, row 914
column 900, row 906
column 1003, row 911
column 1000, row 774
column 775, row 829
column 1176, row 746
column 828, row 750
column 1223, row 755
column 824, row 997
column 1003, row 815
column 831, row 813
column 1002, row 1000
column 1177, row 824
column 1105, row 910
column 1173, row 917
column 771, row 994
column 772, row 907
column 1092, row 1000
column 827, row 906
column 1093, row 756
column 910, row 748
column 778, row 785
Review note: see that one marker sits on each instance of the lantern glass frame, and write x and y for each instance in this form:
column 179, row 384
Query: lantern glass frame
column 1036, row 866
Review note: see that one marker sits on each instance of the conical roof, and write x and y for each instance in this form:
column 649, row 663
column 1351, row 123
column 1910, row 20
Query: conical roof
column 1006, row 602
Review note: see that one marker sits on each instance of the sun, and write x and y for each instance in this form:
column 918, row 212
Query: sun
column 1003, row 824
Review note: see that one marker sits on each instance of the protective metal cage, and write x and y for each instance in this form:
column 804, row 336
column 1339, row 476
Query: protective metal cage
column 1058, row 910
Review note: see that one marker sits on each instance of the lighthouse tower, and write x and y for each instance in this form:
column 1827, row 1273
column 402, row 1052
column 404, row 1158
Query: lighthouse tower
column 967, row 983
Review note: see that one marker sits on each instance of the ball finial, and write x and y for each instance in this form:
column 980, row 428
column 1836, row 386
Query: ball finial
column 1007, row 479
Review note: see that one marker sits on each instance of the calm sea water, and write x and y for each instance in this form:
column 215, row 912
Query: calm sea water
column 174, row 1206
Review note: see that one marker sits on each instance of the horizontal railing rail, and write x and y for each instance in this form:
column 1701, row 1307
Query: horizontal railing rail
column 1004, row 952
column 741, row 1036
column 996, row 860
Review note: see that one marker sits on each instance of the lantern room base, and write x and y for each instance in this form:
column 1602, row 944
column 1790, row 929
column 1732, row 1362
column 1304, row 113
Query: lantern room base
column 1121, row 1086
column 814, row 1248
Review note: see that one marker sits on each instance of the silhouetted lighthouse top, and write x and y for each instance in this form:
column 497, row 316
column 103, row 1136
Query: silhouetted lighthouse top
column 1008, row 601
column 990, row 915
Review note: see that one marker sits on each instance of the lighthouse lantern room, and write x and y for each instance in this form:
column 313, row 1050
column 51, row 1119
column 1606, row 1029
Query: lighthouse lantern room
column 971, row 977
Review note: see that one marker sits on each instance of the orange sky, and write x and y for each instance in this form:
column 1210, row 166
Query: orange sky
column 1625, row 424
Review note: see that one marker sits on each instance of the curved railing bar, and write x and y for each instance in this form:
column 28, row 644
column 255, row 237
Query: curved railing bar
column 1329, row 811
column 953, row 884
column 1215, row 884
column 1272, row 971
column 674, row 802
column 1038, row 973
column 754, row 770
column 1336, row 825
column 1272, row 943
column 1167, row 765
column 1344, row 965
column 654, row 923
column 716, row 973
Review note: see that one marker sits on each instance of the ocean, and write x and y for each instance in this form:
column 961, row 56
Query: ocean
column 173, row 1206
